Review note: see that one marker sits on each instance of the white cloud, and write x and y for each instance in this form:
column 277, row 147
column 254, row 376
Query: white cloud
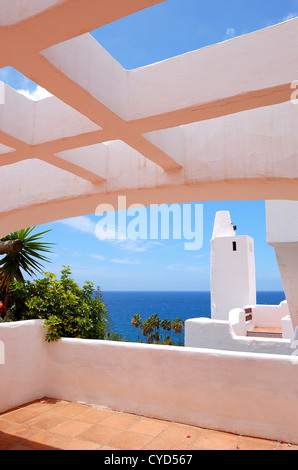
column 109, row 234
column 82, row 224
column 183, row 267
column 230, row 33
column 36, row 95
column 99, row 257
column 290, row 16
column 124, row 261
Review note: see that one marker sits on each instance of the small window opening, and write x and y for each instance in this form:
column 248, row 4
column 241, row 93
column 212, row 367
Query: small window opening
column 234, row 246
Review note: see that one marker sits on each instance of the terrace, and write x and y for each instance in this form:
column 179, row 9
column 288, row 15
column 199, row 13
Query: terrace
column 244, row 394
column 115, row 131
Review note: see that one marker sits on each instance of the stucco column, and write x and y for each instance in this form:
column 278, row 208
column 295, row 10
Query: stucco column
column 282, row 235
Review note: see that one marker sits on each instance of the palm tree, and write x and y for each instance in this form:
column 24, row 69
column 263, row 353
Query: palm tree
column 147, row 327
column 167, row 326
column 136, row 321
column 177, row 326
column 10, row 246
column 155, row 322
column 24, row 253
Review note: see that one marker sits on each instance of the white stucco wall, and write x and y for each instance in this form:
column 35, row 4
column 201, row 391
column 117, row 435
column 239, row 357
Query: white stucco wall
column 23, row 376
column 282, row 234
column 220, row 335
column 269, row 315
column 282, row 222
column 249, row 394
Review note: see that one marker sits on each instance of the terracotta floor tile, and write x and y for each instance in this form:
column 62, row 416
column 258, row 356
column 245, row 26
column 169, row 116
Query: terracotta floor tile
column 20, row 415
column 7, row 441
column 158, row 443
column 251, row 443
column 20, row 447
column 6, row 425
column 71, row 428
column 213, row 440
column 127, row 440
column 79, row 444
column 99, row 434
column 180, row 433
column 67, row 409
column 93, row 415
column 287, row 447
column 49, row 439
column 108, row 448
column 151, row 427
column 25, row 431
column 120, row 421
column 43, row 405
column 45, row 421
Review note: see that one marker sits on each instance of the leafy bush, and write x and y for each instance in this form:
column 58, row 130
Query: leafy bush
column 68, row 310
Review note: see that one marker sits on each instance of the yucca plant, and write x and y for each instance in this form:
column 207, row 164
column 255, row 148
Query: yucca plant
column 25, row 253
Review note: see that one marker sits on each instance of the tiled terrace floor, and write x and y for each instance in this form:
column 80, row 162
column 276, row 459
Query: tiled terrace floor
column 49, row 424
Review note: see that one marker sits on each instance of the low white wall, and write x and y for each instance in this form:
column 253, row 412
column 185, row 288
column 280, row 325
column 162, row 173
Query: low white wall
column 249, row 394
column 269, row 315
column 23, row 376
column 287, row 327
column 220, row 335
column 263, row 316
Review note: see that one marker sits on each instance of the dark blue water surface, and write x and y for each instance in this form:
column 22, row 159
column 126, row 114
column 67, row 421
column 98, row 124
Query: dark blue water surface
column 122, row 306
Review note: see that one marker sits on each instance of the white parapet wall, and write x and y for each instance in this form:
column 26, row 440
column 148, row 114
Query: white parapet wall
column 243, row 393
column 23, row 372
column 230, row 336
column 269, row 315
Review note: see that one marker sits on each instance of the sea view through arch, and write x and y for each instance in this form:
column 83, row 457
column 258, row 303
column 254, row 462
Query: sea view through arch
column 122, row 306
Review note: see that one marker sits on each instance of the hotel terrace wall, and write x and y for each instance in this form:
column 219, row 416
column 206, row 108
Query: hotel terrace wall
column 242, row 393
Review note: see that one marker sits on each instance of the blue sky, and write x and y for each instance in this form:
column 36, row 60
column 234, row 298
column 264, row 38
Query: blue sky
column 157, row 264
column 164, row 31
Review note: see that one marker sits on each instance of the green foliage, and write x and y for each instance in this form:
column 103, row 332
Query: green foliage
column 68, row 310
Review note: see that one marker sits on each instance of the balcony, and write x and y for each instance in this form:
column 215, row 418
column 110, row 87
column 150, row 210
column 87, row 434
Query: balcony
column 212, row 395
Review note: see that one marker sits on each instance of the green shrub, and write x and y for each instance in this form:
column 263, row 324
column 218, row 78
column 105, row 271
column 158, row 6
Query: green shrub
column 68, row 310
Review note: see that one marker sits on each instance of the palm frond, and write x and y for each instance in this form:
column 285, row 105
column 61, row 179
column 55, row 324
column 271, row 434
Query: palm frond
column 29, row 259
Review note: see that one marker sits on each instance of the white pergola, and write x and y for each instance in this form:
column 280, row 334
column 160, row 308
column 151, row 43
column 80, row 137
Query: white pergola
column 213, row 124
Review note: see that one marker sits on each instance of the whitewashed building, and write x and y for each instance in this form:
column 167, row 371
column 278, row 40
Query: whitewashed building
column 232, row 266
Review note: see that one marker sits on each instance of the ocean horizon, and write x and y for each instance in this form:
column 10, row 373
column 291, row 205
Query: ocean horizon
column 123, row 305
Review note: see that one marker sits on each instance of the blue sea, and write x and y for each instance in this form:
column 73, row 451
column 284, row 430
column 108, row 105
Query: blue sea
column 122, row 306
